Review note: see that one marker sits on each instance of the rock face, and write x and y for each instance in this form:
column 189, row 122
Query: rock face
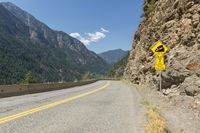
column 177, row 24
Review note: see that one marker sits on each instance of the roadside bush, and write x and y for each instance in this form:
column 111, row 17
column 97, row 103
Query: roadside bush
column 29, row 78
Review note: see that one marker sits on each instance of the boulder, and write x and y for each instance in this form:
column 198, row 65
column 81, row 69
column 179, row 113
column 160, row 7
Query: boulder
column 191, row 90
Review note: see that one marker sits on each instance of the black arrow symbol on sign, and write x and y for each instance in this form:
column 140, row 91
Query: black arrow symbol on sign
column 160, row 49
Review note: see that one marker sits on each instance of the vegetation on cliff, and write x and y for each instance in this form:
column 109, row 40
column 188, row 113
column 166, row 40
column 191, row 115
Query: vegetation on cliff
column 149, row 7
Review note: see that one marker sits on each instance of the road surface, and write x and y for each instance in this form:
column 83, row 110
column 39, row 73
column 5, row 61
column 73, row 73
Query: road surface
column 101, row 107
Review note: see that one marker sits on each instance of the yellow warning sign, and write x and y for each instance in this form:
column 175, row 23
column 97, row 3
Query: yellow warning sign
column 159, row 49
column 160, row 64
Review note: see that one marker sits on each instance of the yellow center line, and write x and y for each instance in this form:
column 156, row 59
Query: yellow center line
column 37, row 109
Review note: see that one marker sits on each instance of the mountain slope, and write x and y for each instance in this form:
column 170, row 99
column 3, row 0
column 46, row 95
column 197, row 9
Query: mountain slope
column 177, row 25
column 27, row 44
column 113, row 56
column 117, row 69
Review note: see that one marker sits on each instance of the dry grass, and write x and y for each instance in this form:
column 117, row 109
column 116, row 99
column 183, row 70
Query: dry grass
column 156, row 124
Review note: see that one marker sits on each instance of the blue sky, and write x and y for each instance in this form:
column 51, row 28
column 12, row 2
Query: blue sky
column 101, row 24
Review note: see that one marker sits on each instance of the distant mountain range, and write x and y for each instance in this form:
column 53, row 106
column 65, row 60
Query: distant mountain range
column 113, row 56
column 27, row 44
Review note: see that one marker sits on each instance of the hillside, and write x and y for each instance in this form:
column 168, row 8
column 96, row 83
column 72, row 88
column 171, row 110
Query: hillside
column 113, row 56
column 177, row 25
column 117, row 69
column 27, row 44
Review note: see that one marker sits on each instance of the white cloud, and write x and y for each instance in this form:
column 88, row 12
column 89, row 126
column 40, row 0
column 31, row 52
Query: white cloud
column 85, row 41
column 75, row 35
column 94, row 37
column 90, row 37
column 104, row 30
column 79, row 37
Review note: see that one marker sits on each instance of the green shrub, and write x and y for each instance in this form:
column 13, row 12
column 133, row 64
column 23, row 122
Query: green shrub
column 85, row 76
column 149, row 8
column 29, row 78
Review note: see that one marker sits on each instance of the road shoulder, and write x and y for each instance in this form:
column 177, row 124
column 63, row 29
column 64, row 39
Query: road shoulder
column 179, row 115
column 139, row 109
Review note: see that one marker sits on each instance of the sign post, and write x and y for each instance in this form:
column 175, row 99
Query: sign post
column 160, row 80
column 159, row 49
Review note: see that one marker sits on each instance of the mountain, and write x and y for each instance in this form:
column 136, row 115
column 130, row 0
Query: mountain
column 177, row 25
column 117, row 70
column 27, row 44
column 113, row 56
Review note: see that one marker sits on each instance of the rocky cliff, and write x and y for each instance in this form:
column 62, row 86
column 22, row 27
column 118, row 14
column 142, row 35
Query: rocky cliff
column 177, row 24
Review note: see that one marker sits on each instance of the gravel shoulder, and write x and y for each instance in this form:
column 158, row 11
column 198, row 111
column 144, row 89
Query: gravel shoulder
column 180, row 112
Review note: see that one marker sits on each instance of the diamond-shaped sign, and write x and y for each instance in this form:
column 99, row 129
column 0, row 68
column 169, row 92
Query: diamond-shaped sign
column 159, row 49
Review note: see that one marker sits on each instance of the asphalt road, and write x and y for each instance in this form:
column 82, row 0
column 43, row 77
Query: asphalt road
column 101, row 107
